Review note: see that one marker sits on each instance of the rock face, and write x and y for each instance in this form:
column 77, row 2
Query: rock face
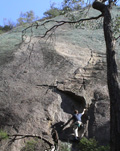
column 45, row 82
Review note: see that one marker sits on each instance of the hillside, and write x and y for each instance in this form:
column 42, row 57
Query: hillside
column 44, row 80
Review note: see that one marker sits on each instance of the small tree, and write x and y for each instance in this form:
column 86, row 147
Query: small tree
column 70, row 5
column 27, row 17
column 53, row 11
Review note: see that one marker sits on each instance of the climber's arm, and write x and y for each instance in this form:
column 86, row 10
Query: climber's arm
column 83, row 111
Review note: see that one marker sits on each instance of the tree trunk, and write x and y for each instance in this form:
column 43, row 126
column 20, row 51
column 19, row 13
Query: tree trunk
column 112, row 78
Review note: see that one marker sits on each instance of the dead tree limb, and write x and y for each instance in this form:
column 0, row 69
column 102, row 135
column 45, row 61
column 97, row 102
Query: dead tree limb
column 58, row 24
column 15, row 137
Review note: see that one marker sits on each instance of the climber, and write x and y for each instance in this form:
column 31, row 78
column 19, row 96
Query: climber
column 76, row 122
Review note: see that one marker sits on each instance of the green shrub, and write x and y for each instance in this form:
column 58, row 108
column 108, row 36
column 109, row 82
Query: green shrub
column 87, row 145
column 7, row 28
column 3, row 135
column 28, row 17
column 30, row 146
column 53, row 12
column 64, row 147
column 91, row 145
column 104, row 148
column 116, row 26
column 1, row 31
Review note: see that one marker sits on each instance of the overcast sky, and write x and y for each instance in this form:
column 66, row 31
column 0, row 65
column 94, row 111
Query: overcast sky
column 11, row 9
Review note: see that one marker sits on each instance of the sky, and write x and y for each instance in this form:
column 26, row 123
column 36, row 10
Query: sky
column 11, row 9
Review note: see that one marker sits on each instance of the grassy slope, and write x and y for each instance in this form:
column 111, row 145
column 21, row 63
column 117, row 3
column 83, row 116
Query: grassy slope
column 85, row 37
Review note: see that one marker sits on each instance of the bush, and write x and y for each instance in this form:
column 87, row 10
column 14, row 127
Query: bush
column 87, row 145
column 28, row 17
column 3, row 135
column 64, row 147
column 53, row 12
column 1, row 31
column 91, row 145
column 104, row 148
column 7, row 28
column 30, row 146
column 116, row 26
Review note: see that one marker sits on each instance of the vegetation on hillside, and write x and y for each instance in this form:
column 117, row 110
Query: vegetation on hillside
column 113, row 72
column 5, row 28
column 83, row 145
column 67, row 8
column 28, row 17
column 3, row 135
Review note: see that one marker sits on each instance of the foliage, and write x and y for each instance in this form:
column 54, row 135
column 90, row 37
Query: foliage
column 64, row 147
column 91, row 145
column 116, row 26
column 3, row 135
column 27, row 17
column 90, row 24
column 53, row 12
column 9, row 23
column 71, row 5
column 67, row 6
column 1, row 30
column 85, row 145
column 30, row 146
column 5, row 28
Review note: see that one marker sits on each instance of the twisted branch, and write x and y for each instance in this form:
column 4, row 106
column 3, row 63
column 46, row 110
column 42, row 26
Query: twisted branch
column 58, row 24
column 15, row 137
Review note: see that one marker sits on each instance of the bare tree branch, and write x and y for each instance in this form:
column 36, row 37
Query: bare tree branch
column 54, row 27
column 60, row 23
column 117, row 38
column 21, row 136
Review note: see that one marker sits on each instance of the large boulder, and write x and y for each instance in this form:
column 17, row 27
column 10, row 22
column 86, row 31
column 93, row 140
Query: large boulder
column 43, row 82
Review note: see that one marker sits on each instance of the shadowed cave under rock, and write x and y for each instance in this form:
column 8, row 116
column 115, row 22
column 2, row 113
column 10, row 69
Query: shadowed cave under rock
column 70, row 102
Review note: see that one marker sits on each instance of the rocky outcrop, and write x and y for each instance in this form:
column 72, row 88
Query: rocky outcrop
column 41, row 88
column 43, row 83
